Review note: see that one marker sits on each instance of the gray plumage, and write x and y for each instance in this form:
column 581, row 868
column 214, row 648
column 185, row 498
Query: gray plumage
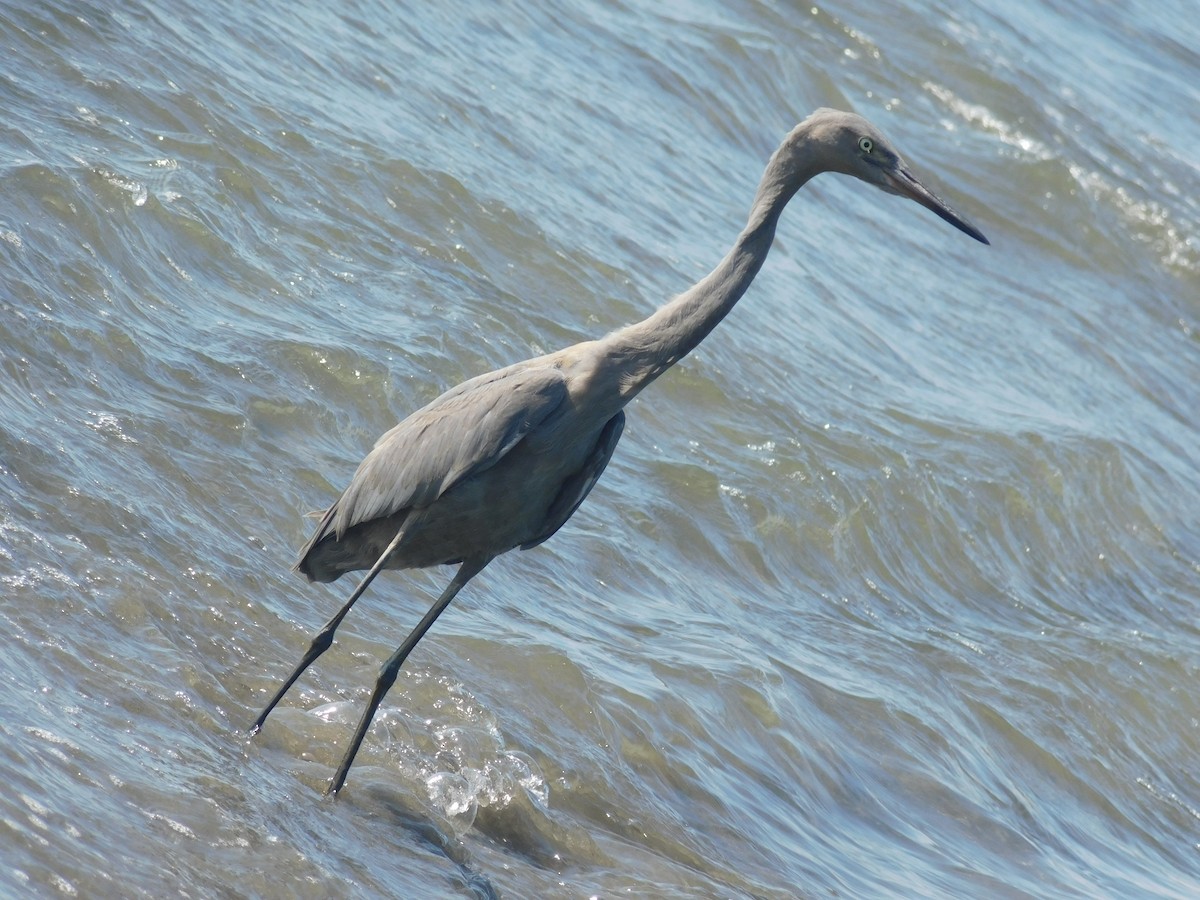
column 504, row 459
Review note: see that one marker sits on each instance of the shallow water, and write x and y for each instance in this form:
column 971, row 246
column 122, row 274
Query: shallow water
column 890, row 590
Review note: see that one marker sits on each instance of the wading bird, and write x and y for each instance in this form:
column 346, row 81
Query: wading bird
column 504, row 459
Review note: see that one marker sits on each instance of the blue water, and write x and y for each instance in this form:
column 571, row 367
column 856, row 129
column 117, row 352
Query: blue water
column 890, row 590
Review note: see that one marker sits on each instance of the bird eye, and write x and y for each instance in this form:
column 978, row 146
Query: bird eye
column 865, row 144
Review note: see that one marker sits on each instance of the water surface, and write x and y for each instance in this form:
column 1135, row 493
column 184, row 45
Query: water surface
column 891, row 588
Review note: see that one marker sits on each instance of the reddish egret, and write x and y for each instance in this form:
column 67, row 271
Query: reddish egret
column 503, row 460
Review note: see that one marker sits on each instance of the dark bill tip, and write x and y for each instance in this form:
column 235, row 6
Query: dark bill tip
column 957, row 221
column 904, row 183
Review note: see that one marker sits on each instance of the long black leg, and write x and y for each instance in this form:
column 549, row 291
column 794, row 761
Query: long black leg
column 323, row 639
column 387, row 675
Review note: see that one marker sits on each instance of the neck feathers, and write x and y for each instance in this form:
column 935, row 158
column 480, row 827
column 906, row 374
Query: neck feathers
column 646, row 349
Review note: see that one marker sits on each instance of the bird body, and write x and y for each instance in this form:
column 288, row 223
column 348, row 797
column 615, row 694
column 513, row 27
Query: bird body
column 504, row 459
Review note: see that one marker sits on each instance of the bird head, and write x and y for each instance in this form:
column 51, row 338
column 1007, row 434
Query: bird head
column 851, row 145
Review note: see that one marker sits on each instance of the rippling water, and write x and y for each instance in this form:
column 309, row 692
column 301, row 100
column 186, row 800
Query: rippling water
column 891, row 589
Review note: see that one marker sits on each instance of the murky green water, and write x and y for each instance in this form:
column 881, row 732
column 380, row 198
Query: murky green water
column 891, row 588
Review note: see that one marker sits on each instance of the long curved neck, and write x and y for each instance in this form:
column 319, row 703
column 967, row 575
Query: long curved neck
column 643, row 351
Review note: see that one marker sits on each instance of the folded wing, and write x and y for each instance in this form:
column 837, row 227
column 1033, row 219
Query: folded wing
column 464, row 431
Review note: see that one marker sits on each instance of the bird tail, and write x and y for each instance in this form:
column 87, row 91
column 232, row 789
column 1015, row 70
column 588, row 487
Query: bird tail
column 305, row 564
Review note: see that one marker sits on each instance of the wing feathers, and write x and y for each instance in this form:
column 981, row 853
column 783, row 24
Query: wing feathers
column 466, row 430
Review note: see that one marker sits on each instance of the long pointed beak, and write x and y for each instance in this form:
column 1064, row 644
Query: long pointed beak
column 904, row 183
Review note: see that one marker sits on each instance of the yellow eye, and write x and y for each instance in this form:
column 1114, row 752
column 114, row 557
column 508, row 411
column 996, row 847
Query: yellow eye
column 865, row 144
